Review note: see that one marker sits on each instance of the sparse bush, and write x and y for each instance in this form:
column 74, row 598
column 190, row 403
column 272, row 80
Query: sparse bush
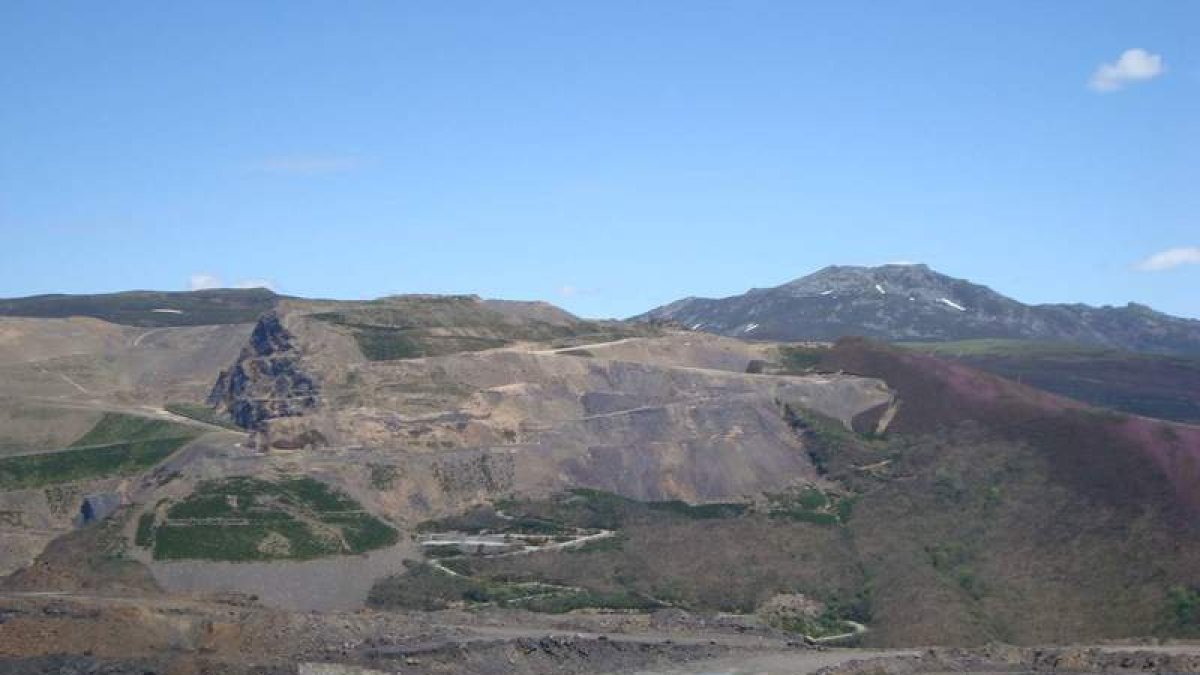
column 383, row 476
column 1184, row 607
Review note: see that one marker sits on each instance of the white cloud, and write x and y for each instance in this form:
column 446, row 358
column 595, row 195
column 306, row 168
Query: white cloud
column 255, row 283
column 568, row 291
column 1134, row 65
column 1171, row 258
column 202, row 281
column 306, row 165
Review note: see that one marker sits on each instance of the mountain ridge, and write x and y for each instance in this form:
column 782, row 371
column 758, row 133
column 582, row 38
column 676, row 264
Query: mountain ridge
column 913, row 302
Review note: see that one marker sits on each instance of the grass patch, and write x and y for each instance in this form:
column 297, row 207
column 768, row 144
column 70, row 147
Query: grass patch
column 119, row 428
column 118, row 445
column 254, row 519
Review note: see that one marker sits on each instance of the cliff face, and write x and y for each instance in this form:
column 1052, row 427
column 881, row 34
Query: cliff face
column 268, row 380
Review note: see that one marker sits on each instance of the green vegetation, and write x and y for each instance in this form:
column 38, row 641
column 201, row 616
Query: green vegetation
column 703, row 557
column 809, row 505
column 857, row 461
column 118, row 445
column 954, row 559
column 406, row 327
column 392, row 342
column 801, row 359
column 201, row 413
column 483, row 519
column 425, row 587
column 601, row 506
column 1184, row 608
column 560, row 603
column 253, row 519
column 30, row 471
column 116, row 428
column 145, row 530
column 699, row 511
column 1005, row 347
column 578, row 509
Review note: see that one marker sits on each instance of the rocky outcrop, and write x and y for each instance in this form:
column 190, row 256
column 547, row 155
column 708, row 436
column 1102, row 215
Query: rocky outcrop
column 268, row 380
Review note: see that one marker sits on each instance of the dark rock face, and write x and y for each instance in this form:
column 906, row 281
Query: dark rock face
column 913, row 302
column 268, row 380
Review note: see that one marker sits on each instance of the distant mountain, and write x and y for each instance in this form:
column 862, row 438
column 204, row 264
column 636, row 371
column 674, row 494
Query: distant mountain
column 916, row 303
column 150, row 308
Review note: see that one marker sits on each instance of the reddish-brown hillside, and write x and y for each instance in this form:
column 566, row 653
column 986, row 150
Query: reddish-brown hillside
column 1116, row 458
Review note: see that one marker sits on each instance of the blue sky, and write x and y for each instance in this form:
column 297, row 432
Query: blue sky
column 606, row 156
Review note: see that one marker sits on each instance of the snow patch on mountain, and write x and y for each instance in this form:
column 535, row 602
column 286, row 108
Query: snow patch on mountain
column 951, row 303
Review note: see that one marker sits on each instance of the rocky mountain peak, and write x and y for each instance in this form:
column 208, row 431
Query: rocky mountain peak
column 915, row 302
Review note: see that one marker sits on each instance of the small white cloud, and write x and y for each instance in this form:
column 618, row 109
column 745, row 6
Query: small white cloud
column 306, row 165
column 1134, row 65
column 202, row 281
column 255, row 283
column 1171, row 258
column 570, row 291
